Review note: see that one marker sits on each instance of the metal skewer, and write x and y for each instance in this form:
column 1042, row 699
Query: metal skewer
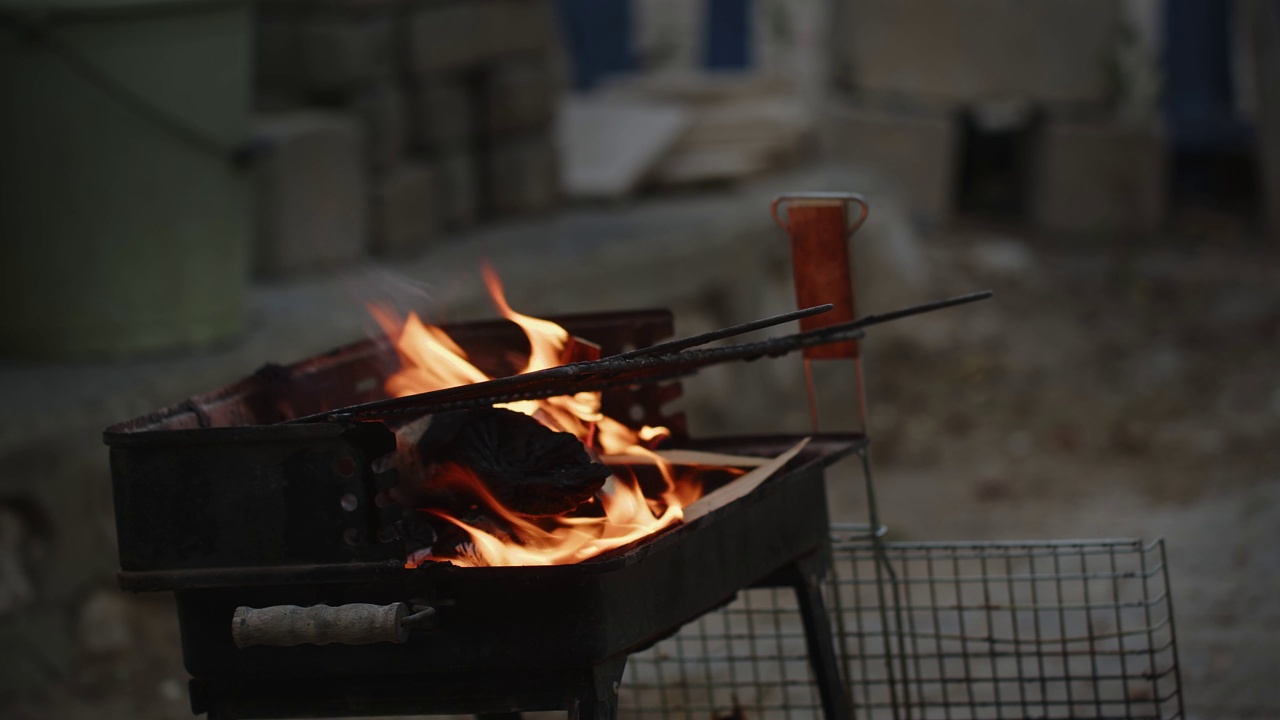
column 704, row 338
column 613, row 371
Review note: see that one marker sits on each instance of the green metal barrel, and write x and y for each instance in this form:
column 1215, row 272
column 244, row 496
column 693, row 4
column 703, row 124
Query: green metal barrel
column 124, row 219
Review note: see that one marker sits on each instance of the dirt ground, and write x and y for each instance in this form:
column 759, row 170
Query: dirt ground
column 1106, row 392
column 1110, row 390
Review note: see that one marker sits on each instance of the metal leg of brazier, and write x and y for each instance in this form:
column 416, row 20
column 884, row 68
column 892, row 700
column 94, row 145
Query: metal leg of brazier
column 820, row 640
column 596, row 698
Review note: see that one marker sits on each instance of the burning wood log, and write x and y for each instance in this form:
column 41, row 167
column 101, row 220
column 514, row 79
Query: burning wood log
column 488, row 486
column 519, row 462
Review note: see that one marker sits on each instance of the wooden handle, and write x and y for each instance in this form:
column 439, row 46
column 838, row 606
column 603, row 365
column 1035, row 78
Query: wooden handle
column 290, row 625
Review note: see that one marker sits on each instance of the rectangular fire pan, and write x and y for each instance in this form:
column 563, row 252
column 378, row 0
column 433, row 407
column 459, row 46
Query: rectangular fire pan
column 507, row 618
column 220, row 502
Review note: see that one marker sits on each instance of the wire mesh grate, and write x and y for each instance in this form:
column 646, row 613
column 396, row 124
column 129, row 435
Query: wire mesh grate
column 963, row 631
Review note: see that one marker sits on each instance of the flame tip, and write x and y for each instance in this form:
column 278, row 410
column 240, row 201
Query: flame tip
column 431, row 360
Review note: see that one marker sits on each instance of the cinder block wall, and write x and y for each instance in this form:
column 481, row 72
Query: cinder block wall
column 1084, row 72
column 449, row 104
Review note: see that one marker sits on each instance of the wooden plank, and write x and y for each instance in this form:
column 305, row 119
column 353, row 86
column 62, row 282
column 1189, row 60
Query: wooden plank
column 741, row 487
column 764, row 118
column 608, row 146
column 735, row 141
column 687, row 457
column 701, row 87
column 728, row 163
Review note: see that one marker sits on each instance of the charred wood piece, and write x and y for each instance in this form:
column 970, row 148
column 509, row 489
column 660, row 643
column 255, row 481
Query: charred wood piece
column 524, row 465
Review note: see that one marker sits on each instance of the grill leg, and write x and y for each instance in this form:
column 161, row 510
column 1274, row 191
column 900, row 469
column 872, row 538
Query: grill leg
column 596, row 697
column 836, row 704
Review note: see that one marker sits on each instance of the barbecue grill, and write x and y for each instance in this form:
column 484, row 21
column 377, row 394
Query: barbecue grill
column 224, row 503
column 258, row 506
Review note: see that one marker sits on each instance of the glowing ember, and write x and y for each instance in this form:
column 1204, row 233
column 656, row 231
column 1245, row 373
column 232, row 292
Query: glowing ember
column 430, row 360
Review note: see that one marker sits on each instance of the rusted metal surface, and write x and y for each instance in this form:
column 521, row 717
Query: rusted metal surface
column 819, row 227
column 579, row 350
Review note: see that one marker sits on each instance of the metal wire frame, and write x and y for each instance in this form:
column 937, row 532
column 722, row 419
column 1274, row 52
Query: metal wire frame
column 1035, row 629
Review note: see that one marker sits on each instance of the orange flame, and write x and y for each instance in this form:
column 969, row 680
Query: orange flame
column 628, row 517
column 431, row 360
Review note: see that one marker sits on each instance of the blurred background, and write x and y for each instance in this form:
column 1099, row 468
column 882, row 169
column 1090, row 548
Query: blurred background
column 192, row 188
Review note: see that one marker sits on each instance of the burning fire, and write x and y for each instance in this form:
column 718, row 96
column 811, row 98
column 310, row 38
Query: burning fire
column 431, row 360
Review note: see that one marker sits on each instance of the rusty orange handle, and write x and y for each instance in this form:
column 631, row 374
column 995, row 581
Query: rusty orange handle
column 848, row 197
column 819, row 227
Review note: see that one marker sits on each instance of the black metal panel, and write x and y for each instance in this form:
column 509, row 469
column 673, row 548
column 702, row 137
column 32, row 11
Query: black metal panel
column 502, row 620
column 217, row 483
column 453, row 693
column 248, row 497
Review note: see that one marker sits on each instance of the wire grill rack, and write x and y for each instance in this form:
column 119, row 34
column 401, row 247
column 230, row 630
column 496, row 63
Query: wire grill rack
column 964, row 631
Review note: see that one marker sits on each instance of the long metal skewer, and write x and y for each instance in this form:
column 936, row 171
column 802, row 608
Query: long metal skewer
column 704, row 338
column 613, row 371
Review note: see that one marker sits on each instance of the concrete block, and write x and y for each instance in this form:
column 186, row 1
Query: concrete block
column 519, row 26
column 382, row 109
column 447, row 36
column 915, row 153
column 404, row 209
column 277, row 53
column 520, row 95
column 522, row 176
column 309, row 50
column 465, row 33
column 274, row 100
column 341, row 50
column 440, row 115
column 311, row 205
column 1100, row 177
column 1056, row 51
column 293, row 6
column 458, row 189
